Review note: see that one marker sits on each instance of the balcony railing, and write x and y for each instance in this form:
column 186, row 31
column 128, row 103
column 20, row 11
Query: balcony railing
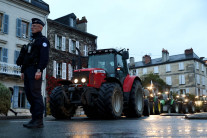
column 10, row 69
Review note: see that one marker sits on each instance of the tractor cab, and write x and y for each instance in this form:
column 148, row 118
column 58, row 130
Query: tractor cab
column 114, row 62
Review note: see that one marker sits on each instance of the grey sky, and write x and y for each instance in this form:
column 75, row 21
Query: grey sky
column 143, row 26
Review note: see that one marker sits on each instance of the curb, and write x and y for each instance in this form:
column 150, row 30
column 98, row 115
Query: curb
column 172, row 114
column 14, row 117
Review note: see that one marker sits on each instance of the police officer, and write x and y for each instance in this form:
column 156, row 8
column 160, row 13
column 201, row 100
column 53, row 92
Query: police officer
column 35, row 60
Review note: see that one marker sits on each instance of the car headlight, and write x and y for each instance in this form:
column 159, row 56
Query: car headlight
column 75, row 80
column 83, row 80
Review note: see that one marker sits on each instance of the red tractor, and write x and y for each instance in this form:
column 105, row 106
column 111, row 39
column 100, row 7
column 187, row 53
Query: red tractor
column 104, row 90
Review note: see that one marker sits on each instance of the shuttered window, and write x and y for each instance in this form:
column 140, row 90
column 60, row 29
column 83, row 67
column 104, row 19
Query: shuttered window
column 5, row 55
column 202, row 67
column 54, row 69
column 197, row 65
column 23, row 29
column 85, row 50
column 59, row 70
column 198, row 79
column 144, row 70
column 137, row 72
column 168, row 68
column 203, row 80
column 63, row 43
column 181, row 79
column 4, row 23
column 169, row 80
column 64, row 71
column 77, row 45
column 156, row 70
column 70, row 72
column 181, row 66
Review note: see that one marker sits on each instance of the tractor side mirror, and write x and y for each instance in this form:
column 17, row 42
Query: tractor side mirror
column 125, row 55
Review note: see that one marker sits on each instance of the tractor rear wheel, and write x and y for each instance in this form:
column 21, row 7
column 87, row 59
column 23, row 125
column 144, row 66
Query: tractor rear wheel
column 136, row 101
column 191, row 107
column 157, row 107
column 175, row 107
column 146, row 111
column 110, row 101
column 59, row 108
column 152, row 108
column 185, row 109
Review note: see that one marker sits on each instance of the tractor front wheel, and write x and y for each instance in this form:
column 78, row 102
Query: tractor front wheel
column 110, row 101
column 59, row 108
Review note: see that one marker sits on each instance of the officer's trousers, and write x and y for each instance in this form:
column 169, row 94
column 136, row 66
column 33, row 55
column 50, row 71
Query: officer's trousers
column 33, row 92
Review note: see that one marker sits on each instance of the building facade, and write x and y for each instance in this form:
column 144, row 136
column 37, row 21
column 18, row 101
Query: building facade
column 185, row 73
column 15, row 30
column 65, row 35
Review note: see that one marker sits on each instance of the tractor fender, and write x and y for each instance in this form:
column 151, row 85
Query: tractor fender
column 128, row 82
column 112, row 79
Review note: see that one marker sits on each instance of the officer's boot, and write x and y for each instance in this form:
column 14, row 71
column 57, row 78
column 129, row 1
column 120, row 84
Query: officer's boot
column 38, row 123
column 26, row 124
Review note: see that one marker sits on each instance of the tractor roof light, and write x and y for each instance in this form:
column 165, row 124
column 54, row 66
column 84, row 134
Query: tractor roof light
column 159, row 93
column 166, row 92
column 151, row 95
column 196, row 97
column 186, row 100
column 177, row 96
column 204, row 96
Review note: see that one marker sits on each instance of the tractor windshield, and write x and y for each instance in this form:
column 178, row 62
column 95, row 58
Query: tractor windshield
column 104, row 61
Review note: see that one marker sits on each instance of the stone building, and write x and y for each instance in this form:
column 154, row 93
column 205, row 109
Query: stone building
column 15, row 30
column 185, row 73
column 65, row 34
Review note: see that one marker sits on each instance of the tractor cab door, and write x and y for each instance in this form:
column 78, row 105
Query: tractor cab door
column 121, row 69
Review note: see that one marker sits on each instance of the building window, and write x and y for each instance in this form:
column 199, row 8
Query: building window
column 202, row 67
column 181, row 66
column 59, row 42
column 168, row 68
column 3, row 55
column 72, row 46
column 181, row 79
column 169, row 80
column 203, row 80
column 144, row 70
column 23, row 29
column 19, row 98
column 1, row 21
column 197, row 65
column 58, row 70
column 4, row 23
column 156, row 71
column 85, row 50
column 27, row 0
column 198, row 79
column 71, row 22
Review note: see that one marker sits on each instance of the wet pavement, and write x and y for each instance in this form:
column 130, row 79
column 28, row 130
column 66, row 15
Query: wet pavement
column 153, row 126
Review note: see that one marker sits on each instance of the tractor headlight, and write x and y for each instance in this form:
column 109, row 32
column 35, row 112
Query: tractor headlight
column 75, row 80
column 151, row 95
column 83, row 80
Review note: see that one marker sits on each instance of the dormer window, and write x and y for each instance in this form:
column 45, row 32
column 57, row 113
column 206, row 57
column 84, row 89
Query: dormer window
column 71, row 22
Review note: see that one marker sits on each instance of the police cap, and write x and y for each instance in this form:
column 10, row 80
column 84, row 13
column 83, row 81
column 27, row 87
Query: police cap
column 37, row 21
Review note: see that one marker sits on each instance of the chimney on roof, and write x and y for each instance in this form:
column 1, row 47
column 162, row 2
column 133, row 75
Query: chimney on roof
column 146, row 59
column 82, row 24
column 131, row 62
column 165, row 55
column 188, row 51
